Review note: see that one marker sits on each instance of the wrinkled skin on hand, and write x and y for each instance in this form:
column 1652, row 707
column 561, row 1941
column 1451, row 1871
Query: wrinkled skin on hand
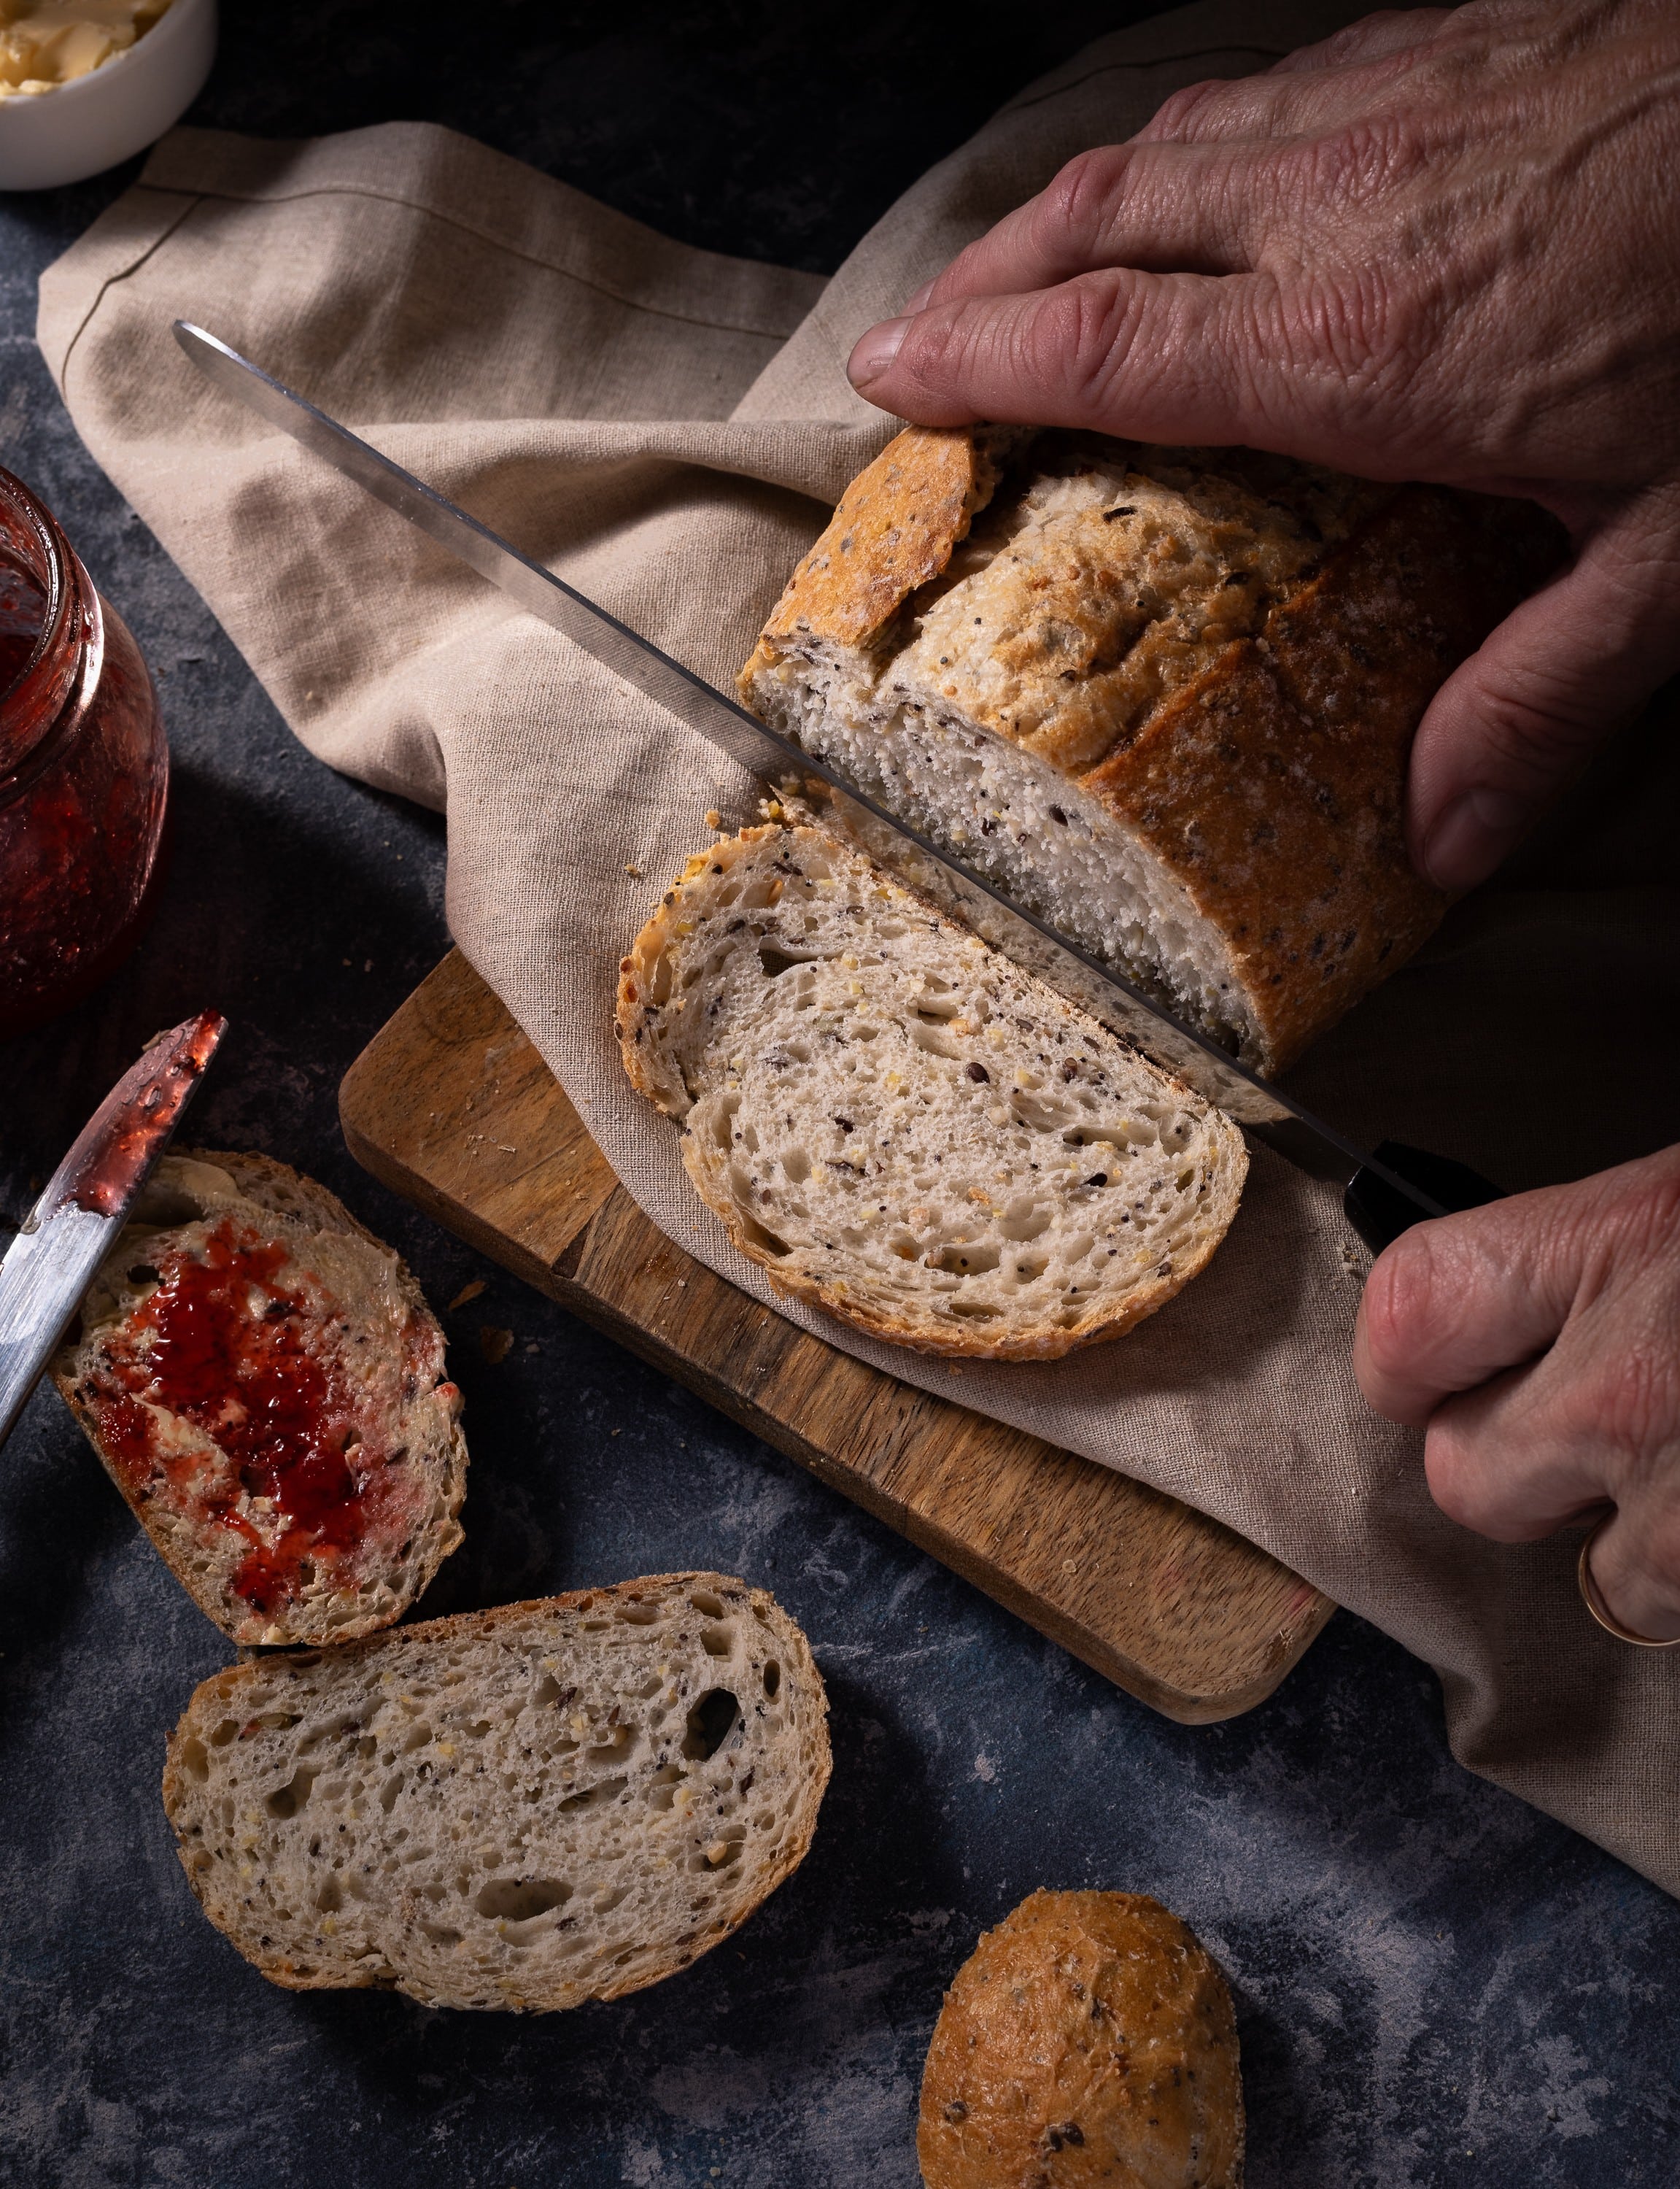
column 1445, row 245
column 1536, row 1342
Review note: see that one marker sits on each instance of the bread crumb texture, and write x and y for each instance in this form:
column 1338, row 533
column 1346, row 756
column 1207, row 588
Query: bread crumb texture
column 902, row 1125
column 523, row 1808
column 265, row 1385
column 1162, row 697
column 1088, row 2038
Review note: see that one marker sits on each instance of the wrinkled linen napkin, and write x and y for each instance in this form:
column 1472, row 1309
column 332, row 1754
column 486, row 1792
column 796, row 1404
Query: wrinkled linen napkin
column 668, row 428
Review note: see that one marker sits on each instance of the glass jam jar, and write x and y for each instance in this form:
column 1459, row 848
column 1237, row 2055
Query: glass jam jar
column 84, row 773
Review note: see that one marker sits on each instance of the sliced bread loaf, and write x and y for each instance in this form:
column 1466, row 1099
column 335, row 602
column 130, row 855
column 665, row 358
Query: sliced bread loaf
column 525, row 1807
column 264, row 1382
column 1162, row 697
column 900, row 1123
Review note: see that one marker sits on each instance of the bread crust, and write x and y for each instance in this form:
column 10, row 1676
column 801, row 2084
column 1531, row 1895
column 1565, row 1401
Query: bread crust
column 1088, row 2038
column 1270, row 789
column 642, row 973
column 275, row 1188
column 892, row 531
column 222, row 1889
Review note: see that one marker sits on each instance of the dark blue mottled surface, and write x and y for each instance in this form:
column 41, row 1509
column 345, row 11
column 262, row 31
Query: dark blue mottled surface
column 1435, row 1986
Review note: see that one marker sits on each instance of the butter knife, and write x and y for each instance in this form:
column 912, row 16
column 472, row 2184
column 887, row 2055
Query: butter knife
column 64, row 1237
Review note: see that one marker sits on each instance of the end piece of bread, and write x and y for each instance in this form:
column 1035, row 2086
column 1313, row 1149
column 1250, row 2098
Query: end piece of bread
column 902, row 1126
column 1164, row 698
column 264, row 1382
column 1089, row 2037
column 526, row 1807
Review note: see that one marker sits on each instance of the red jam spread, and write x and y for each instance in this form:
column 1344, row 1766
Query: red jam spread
column 224, row 1342
column 84, row 773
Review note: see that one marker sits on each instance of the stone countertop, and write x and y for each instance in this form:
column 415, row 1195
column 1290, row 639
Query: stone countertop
column 1434, row 1984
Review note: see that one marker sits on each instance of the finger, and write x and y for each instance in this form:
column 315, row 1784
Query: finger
column 1518, row 721
column 1454, row 1302
column 1633, row 1566
column 1520, row 1458
column 1153, row 357
column 1165, row 208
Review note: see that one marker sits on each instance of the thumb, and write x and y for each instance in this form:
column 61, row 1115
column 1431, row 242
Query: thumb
column 1513, row 724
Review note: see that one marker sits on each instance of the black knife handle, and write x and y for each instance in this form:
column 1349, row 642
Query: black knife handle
column 1380, row 1214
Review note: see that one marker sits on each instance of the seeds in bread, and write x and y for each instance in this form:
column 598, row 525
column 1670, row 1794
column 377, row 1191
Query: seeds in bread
column 527, row 1807
column 1089, row 2037
column 900, row 1124
column 264, row 1382
column 1162, row 697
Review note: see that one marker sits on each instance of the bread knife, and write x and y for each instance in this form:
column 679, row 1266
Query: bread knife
column 68, row 1233
column 1385, row 1191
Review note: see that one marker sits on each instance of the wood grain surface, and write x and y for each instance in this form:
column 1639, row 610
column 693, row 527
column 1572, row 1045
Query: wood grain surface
column 451, row 1105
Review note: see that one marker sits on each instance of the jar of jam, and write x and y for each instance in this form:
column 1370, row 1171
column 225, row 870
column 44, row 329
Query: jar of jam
column 84, row 773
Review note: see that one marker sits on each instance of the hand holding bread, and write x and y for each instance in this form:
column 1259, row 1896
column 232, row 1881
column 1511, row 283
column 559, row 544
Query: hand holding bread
column 1250, row 268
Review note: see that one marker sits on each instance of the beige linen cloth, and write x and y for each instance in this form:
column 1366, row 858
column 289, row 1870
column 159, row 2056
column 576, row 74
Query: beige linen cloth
column 668, row 428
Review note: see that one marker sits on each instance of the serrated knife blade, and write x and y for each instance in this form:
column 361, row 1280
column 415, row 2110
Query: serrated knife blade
column 1262, row 1109
column 64, row 1237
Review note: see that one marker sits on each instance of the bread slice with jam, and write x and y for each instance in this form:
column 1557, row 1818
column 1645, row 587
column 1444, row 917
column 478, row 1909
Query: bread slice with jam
column 265, row 1385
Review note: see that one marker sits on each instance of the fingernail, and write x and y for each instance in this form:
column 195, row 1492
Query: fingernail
column 875, row 352
column 918, row 303
column 1474, row 835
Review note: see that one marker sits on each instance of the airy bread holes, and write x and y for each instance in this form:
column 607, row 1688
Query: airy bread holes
column 594, row 1797
column 777, row 962
column 286, row 1801
column 710, row 1723
column 519, row 1899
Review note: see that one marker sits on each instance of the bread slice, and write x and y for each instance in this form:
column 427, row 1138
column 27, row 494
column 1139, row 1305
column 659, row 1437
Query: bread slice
column 902, row 1126
column 525, row 1808
column 1162, row 697
column 264, row 1382
column 1090, row 2037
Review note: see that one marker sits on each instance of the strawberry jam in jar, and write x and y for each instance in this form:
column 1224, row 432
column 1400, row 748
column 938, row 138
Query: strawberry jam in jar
column 84, row 773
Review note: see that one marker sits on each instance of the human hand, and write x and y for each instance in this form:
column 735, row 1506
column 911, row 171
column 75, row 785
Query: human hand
column 1440, row 247
column 1536, row 1342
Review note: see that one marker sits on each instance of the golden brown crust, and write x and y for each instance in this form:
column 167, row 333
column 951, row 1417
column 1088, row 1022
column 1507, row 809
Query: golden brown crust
column 1088, row 2038
column 1271, row 786
column 892, row 531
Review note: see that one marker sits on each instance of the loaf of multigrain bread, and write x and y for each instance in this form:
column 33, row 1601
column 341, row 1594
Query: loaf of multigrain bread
column 1162, row 697
column 264, row 1382
column 1088, row 2039
column 902, row 1126
column 527, row 1807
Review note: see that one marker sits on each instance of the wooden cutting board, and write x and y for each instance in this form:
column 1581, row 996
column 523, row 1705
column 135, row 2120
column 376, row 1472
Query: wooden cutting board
column 450, row 1106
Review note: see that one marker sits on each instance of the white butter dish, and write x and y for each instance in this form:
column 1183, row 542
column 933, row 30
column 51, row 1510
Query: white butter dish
column 82, row 127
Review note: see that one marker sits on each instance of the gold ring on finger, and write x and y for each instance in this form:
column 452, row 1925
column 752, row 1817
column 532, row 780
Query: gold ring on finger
column 1595, row 1603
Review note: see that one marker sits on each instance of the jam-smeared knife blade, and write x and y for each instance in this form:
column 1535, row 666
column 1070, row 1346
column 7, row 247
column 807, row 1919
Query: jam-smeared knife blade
column 1260, row 1108
column 50, row 1264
